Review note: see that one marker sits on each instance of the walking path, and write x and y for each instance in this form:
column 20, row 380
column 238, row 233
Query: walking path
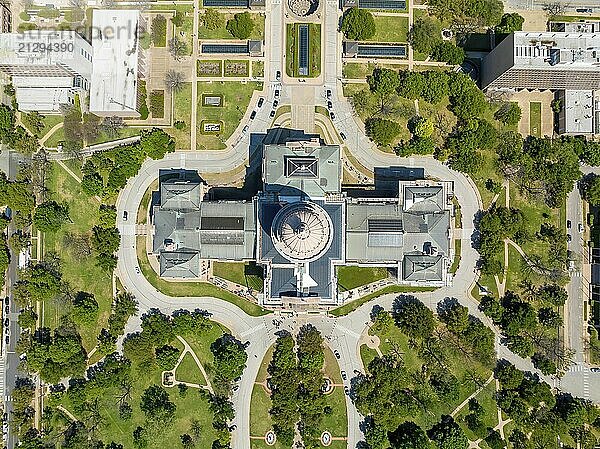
column 188, row 349
column 475, row 393
column 49, row 133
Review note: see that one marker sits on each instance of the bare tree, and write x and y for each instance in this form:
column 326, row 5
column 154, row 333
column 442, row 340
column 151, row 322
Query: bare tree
column 174, row 80
column 177, row 48
column 555, row 8
column 112, row 126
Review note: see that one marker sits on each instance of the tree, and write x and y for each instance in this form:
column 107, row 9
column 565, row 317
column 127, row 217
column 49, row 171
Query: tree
column 166, row 357
column 358, row 24
column 509, row 377
column 157, row 327
column 187, row 441
column 425, row 34
column 435, row 86
column 177, row 48
column 85, row 308
column 156, row 405
column 455, row 316
column 411, row 85
column 50, row 216
column 543, row 363
column 158, row 30
column 447, row 434
column 382, row 131
column 34, row 121
column 421, row 127
column 241, row 25
column 509, row 113
column 230, row 357
column 92, row 184
column 416, row 145
column 510, row 23
column 548, row 317
column 413, row 317
column 448, row 52
column 590, row 189
column 383, row 81
column 174, row 81
column 178, row 19
column 212, row 19
column 409, row 435
column 27, row 319
column 112, row 126
column 552, row 294
column 156, row 143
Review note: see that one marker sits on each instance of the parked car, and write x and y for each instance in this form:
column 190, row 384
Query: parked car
column 261, row 100
column 278, row 75
column 7, row 339
column 568, row 224
column 584, row 10
column 328, row 93
column 332, row 115
column 595, row 369
column 343, row 136
column 275, row 103
column 344, row 376
column 7, row 309
column 580, row 227
column 137, row 270
column 125, row 215
column 569, row 238
column 329, row 105
column 272, row 114
column 346, row 390
column 277, row 93
column 6, row 322
column 337, row 354
column 252, row 115
column 7, row 300
column 245, row 130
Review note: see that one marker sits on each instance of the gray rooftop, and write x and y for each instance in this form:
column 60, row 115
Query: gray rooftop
column 180, row 195
column 422, row 267
column 313, row 170
column 178, row 264
column 577, row 114
column 423, row 199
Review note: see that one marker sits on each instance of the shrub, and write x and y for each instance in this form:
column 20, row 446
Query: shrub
column 158, row 30
column 157, row 103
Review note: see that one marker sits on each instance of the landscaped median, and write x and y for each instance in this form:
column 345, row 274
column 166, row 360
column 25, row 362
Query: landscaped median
column 191, row 289
column 293, row 47
column 353, row 305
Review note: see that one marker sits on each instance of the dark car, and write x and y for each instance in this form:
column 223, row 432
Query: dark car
column 343, row 136
column 584, row 10
column 337, row 354
column 7, row 339
column 7, row 309
column 329, row 105
column 332, row 115
column 6, row 322
column 346, row 390
column 344, row 376
column 328, row 93
column 125, row 215
column 272, row 114
column 278, row 75
column 7, row 300
column 568, row 237
column 261, row 100
column 275, row 103
column 252, row 115
column 568, row 224
column 277, row 93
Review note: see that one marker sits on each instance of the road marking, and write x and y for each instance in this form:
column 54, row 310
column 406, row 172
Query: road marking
column 348, row 331
column 252, row 330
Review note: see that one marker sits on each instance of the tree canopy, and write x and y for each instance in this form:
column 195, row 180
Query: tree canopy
column 241, row 25
column 358, row 24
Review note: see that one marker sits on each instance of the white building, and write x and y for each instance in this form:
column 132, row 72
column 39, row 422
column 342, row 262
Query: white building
column 577, row 115
column 48, row 68
column 115, row 53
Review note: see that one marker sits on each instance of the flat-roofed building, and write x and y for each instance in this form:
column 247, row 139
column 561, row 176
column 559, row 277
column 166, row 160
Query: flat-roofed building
column 47, row 68
column 115, row 53
column 578, row 115
column 546, row 60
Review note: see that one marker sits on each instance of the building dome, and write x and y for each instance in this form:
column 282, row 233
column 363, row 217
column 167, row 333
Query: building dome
column 302, row 231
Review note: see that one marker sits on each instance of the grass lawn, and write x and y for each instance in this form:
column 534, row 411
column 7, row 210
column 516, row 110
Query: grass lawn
column 142, row 215
column 355, row 304
column 182, row 110
column 49, row 122
column 390, row 29
column 191, row 288
column 55, row 138
column 353, row 277
column 367, row 354
column 236, row 97
column 535, row 119
column 490, row 415
column 456, row 261
column 360, row 70
column 81, row 273
column 236, row 68
column 188, row 371
column 337, row 422
column 246, row 274
column 258, row 32
column 293, row 53
column 192, row 406
column 258, row 68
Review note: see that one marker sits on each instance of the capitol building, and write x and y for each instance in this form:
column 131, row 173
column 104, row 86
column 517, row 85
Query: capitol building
column 302, row 225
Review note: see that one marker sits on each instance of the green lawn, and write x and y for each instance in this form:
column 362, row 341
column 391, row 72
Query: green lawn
column 49, row 122
column 353, row 305
column 236, row 68
column 236, row 97
column 258, row 68
column 258, row 32
column 535, row 118
column 246, row 274
column 337, row 422
column 456, row 261
column 191, row 406
column 360, row 70
column 188, row 371
column 183, row 112
column 191, row 288
column 314, row 50
column 367, row 354
column 81, row 273
column 390, row 29
column 490, row 415
column 353, row 277
column 55, row 138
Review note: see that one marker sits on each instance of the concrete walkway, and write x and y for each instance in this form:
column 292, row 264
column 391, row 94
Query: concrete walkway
column 188, row 349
